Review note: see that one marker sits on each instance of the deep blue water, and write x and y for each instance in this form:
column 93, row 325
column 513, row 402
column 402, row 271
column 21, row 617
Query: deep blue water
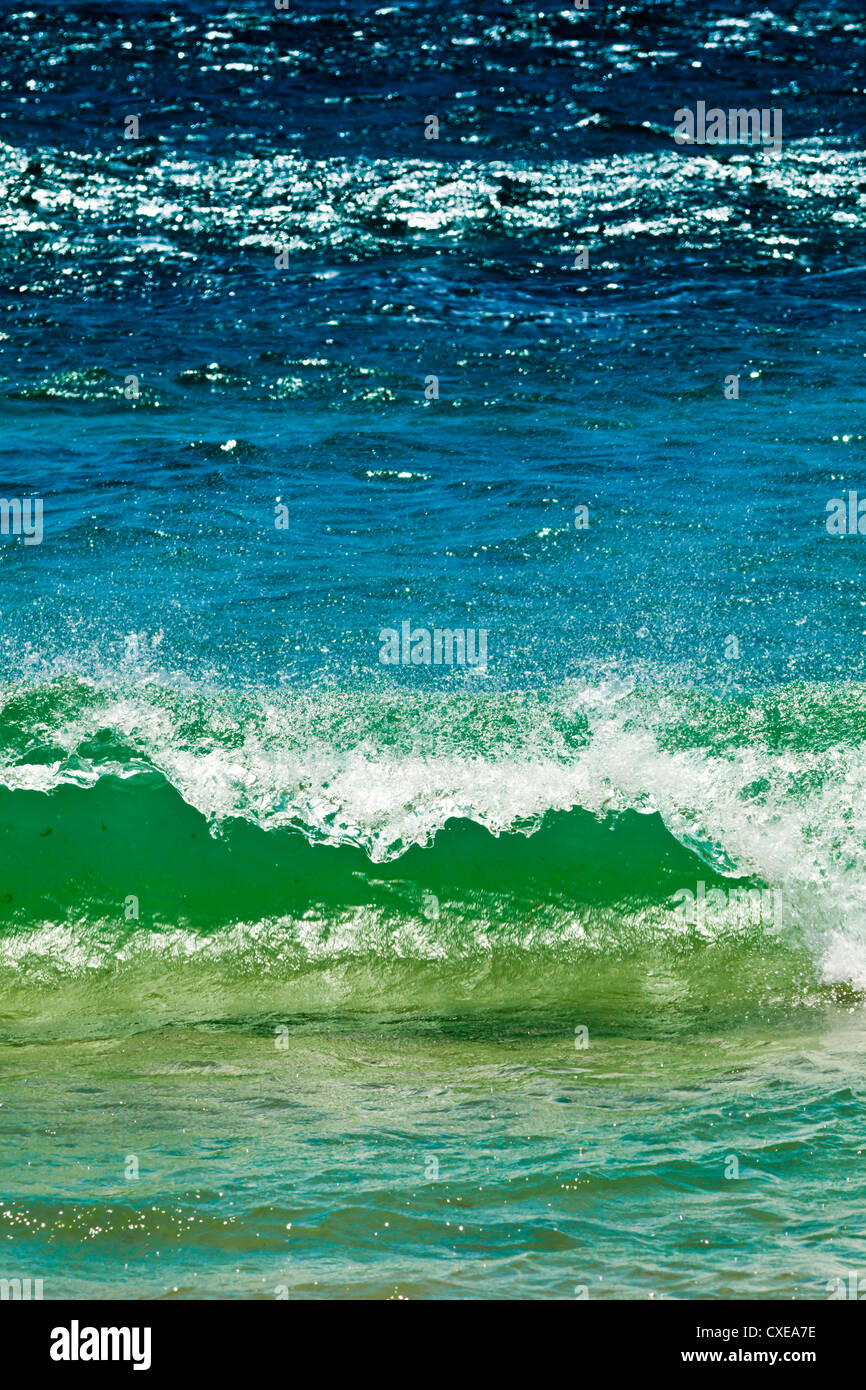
column 411, row 257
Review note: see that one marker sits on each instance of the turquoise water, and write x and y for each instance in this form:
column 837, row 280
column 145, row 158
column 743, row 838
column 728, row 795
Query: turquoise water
column 433, row 1153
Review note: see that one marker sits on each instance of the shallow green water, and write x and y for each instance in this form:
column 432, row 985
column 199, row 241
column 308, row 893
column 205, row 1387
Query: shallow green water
column 470, row 1154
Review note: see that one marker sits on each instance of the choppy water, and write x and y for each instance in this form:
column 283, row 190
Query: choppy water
column 308, row 941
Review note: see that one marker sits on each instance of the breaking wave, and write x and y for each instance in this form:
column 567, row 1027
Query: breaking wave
column 142, row 818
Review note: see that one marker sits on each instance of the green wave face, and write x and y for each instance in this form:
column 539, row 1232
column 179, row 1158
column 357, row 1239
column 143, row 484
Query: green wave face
column 495, row 851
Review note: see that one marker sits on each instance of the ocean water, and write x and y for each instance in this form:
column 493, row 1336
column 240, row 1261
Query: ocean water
column 537, row 976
